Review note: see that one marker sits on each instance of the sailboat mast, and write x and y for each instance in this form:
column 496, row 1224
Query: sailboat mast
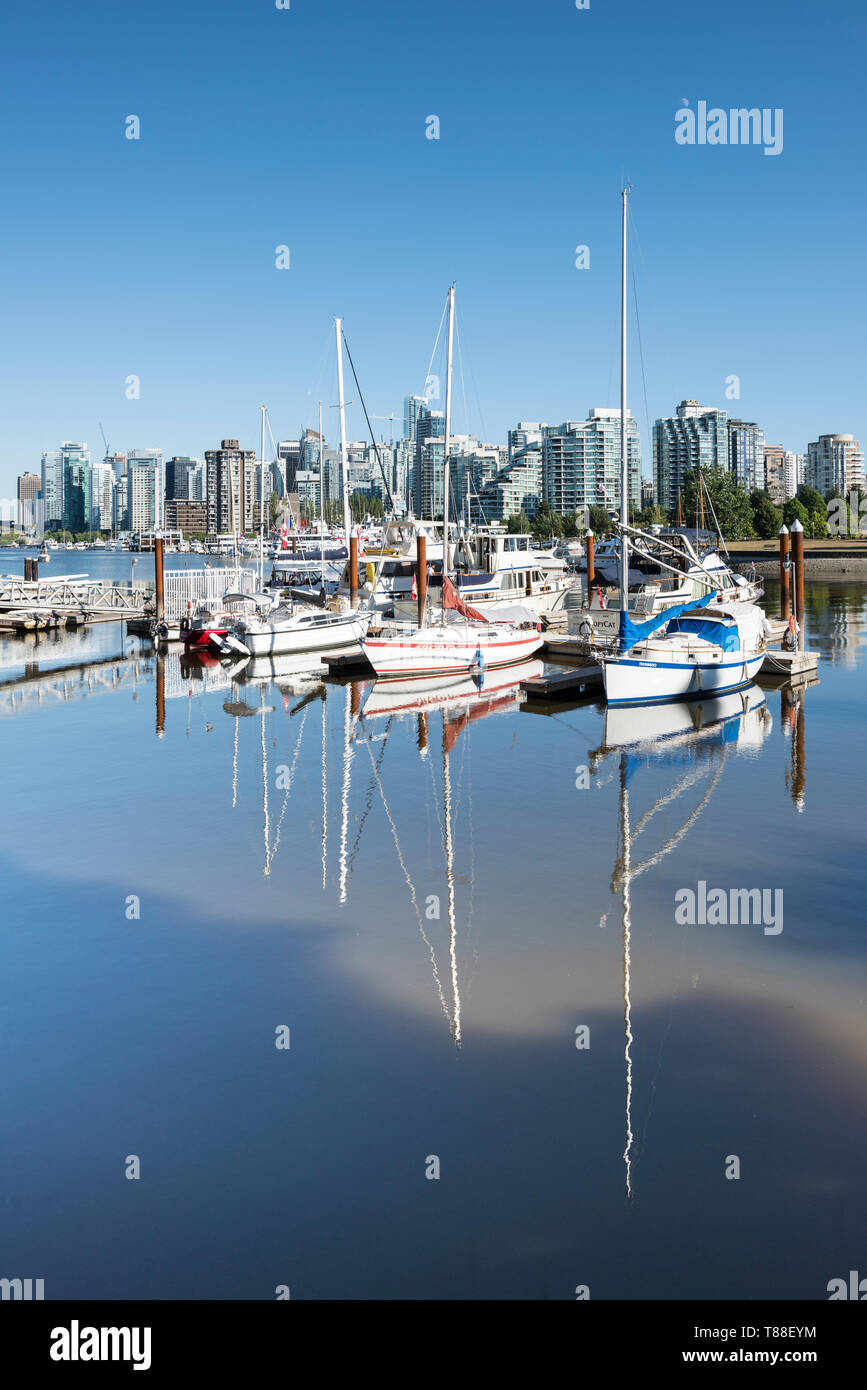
column 262, row 502
column 344, row 464
column 624, row 464
column 321, row 500
column 446, row 441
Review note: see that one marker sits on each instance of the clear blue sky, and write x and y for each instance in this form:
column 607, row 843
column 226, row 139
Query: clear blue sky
column 306, row 127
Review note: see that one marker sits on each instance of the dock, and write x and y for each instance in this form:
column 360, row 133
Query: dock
column 563, row 685
column 350, row 664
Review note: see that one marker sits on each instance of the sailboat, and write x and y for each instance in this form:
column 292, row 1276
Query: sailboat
column 690, row 649
column 464, row 639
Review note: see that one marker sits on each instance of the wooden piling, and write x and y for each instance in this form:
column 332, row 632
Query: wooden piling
column 159, row 578
column 589, row 549
column 353, row 566
column 798, row 564
column 421, row 574
column 785, row 601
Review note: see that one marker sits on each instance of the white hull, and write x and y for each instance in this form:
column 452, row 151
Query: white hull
column 323, row 632
column 629, row 680
column 539, row 602
column 453, row 648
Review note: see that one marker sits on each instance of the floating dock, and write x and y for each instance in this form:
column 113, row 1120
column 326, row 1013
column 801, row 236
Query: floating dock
column 562, row 685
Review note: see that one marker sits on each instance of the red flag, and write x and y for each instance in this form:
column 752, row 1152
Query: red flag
column 414, row 593
column 452, row 599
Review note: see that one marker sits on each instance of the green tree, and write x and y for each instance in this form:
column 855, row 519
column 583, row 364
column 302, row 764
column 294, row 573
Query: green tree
column 767, row 519
column 731, row 503
column 517, row 521
column 599, row 521
column 811, row 499
column 793, row 511
column 818, row 523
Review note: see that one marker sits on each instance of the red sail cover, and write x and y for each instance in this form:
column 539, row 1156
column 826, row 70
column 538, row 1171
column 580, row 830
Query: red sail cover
column 452, row 599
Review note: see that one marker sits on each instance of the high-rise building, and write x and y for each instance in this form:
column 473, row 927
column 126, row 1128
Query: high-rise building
column 775, row 473
column 29, row 486
column 146, row 489
column 102, row 481
column 524, row 436
column 76, row 487
column 181, row 473
column 581, row 462
column 695, row 436
column 412, row 405
column 516, row 488
column 796, row 467
column 288, row 463
column 747, row 453
column 646, row 494
column 231, row 488
column 835, row 463
column 52, row 489
column 428, row 463
column 120, row 503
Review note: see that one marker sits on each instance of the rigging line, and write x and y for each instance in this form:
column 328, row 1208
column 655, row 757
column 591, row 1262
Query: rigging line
column 435, row 346
column 461, row 370
column 289, row 782
column 369, row 426
column 675, row 839
column 478, row 399
column 641, row 355
column 687, row 781
column 368, row 802
column 410, row 885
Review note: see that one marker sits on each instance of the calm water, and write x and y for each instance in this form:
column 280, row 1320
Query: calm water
column 432, row 907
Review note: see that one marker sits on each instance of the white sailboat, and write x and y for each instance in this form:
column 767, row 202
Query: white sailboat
column 672, row 655
column 464, row 639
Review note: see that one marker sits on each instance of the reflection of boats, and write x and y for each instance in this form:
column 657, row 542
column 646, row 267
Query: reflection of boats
column 628, row 726
column 665, row 730
column 484, row 692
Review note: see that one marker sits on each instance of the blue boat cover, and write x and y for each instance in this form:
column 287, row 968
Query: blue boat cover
column 725, row 635
column 631, row 632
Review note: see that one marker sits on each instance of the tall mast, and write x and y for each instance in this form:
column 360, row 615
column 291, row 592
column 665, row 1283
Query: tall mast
column 624, row 465
column 344, row 465
column 262, row 503
column 321, row 500
column 451, row 302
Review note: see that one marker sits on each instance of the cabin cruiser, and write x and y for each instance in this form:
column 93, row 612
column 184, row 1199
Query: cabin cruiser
column 495, row 570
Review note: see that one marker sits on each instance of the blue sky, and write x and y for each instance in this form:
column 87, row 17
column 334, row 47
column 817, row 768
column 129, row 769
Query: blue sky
column 262, row 127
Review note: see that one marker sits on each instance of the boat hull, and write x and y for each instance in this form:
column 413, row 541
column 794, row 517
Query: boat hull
column 415, row 657
column 280, row 641
column 630, row 681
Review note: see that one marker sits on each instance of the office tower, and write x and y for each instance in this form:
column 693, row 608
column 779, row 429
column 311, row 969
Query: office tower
column 695, row 436
column 76, row 487
column 288, row 463
column 581, row 462
column 181, row 473
column 427, row 483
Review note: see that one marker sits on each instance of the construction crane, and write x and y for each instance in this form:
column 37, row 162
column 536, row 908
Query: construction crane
column 105, row 441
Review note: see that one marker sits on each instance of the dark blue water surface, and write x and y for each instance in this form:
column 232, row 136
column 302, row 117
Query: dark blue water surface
column 432, row 907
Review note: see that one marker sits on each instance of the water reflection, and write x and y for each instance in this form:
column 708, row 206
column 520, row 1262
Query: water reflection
column 669, row 734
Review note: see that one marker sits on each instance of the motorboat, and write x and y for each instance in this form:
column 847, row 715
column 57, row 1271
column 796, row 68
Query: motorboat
column 296, row 626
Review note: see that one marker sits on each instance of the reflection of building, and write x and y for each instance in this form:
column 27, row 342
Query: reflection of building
column 835, row 463
column 695, row 436
column 581, row 462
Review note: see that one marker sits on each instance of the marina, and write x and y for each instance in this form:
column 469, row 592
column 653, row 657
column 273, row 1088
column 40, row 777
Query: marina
column 356, row 879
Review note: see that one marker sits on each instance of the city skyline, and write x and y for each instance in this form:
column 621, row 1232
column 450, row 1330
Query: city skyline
column 155, row 258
